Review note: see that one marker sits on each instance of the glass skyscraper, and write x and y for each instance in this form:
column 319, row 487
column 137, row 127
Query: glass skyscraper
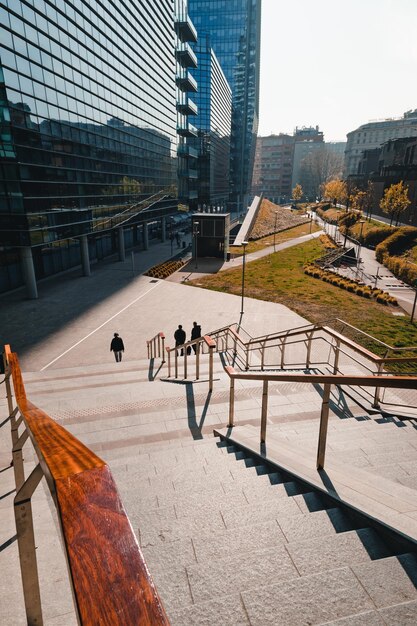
column 234, row 29
column 214, row 101
column 88, row 116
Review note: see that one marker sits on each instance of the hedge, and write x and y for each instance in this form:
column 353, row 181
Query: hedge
column 163, row 270
column 352, row 286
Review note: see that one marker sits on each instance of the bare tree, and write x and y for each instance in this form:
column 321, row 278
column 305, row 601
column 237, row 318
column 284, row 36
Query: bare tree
column 317, row 168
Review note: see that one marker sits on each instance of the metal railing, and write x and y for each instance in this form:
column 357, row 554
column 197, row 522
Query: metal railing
column 110, row 580
column 323, row 348
column 156, row 347
column 389, row 382
column 199, row 346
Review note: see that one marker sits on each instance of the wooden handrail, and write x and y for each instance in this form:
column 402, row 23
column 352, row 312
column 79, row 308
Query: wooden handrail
column 108, row 573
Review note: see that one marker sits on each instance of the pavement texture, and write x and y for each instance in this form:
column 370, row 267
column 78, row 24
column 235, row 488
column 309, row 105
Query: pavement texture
column 227, row 541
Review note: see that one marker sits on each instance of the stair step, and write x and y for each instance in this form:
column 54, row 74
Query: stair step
column 332, row 551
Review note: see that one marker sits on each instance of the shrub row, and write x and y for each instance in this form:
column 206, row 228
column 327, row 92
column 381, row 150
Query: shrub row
column 399, row 241
column 327, row 242
column 374, row 236
column 350, row 285
column 402, row 269
column 163, row 270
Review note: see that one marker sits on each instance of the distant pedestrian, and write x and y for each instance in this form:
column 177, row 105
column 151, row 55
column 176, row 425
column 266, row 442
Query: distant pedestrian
column 117, row 347
column 179, row 337
column 195, row 334
column 178, row 238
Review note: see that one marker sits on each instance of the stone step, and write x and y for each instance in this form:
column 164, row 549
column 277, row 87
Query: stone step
column 370, row 593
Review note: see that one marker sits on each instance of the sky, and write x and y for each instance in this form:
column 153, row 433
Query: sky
column 336, row 64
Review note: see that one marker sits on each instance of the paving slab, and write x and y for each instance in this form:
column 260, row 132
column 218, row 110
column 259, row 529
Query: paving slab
column 239, row 571
column 310, row 600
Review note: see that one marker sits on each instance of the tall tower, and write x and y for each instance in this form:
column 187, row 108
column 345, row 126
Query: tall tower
column 234, row 29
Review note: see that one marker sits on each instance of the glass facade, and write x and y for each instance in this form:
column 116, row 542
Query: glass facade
column 234, row 29
column 186, row 59
column 214, row 101
column 88, row 124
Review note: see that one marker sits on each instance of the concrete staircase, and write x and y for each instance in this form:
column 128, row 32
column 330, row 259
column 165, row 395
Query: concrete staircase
column 230, row 540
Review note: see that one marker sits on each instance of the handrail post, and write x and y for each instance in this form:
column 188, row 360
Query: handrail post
column 211, row 351
column 163, row 348
column 324, row 419
column 247, row 355
column 263, row 355
column 159, row 346
column 378, row 389
column 336, row 356
column 169, row 361
column 147, row 345
column 309, row 342
column 231, row 403
column 27, row 548
column 176, row 363
column 264, row 411
column 197, row 360
column 19, row 470
column 283, row 340
column 185, row 361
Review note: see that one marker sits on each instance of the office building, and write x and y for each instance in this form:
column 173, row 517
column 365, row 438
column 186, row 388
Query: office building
column 88, row 154
column 214, row 99
column 374, row 134
column 234, row 29
column 273, row 167
column 186, row 105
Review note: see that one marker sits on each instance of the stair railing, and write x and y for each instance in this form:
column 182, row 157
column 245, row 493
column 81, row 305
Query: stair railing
column 109, row 577
column 386, row 381
column 200, row 344
column 317, row 346
column 156, row 347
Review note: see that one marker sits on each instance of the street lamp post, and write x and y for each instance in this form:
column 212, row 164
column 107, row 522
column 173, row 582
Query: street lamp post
column 275, row 228
column 361, row 222
column 244, row 244
column 195, row 235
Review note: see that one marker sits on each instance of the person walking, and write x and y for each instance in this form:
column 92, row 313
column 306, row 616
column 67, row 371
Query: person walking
column 179, row 337
column 117, row 347
column 195, row 334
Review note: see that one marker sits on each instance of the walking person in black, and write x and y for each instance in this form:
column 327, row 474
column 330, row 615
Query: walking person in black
column 195, row 334
column 117, row 347
column 179, row 337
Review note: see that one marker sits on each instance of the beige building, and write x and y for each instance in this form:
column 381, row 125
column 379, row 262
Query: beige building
column 373, row 135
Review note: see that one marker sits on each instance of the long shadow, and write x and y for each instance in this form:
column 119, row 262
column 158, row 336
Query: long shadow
column 340, row 406
column 195, row 429
column 65, row 297
column 8, row 543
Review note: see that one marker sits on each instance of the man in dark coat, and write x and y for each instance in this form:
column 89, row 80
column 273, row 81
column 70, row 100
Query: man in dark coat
column 117, row 347
column 195, row 334
column 179, row 337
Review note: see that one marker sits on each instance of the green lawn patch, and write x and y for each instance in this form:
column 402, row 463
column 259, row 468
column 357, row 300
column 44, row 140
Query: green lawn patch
column 280, row 278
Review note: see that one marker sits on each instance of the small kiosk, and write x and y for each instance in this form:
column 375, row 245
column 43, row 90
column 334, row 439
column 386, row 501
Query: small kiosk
column 210, row 233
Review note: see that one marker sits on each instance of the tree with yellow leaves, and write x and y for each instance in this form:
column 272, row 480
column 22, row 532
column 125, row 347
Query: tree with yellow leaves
column 297, row 193
column 395, row 200
column 335, row 190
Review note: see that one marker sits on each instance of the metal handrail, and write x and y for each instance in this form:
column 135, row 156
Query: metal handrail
column 327, row 380
column 110, row 580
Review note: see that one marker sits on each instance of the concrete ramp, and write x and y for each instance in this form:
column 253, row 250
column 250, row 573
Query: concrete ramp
column 249, row 221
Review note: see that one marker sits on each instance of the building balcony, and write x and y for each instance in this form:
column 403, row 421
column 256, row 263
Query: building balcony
column 186, row 82
column 188, row 107
column 185, row 29
column 187, row 130
column 186, row 150
column 185, row 55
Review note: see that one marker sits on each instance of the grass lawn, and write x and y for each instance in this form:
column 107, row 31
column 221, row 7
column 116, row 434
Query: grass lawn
column 280, row 278
column 284, row 235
